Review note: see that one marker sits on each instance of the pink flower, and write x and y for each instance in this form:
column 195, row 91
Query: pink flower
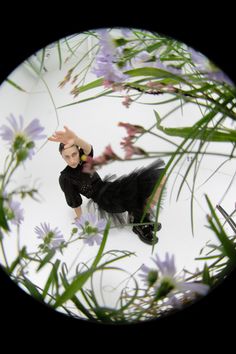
column 109, row 153
column 127, row 141
column 127, row 101
column 107, row 83
column 131, row 129
column 101, row 160
column 131, row 150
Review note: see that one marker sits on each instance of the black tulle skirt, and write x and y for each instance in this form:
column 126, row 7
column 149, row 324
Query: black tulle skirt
column 117, row 197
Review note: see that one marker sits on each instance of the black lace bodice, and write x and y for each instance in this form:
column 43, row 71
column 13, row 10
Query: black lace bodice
column 74, row 181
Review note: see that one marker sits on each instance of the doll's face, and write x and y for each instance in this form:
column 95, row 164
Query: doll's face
column 71, row 156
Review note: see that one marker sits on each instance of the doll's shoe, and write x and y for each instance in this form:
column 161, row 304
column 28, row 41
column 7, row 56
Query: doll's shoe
column 147, row 219
column 145, row 234
column 159, row 226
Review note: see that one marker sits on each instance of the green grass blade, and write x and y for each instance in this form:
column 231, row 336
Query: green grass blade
column 32, row 289
column 42, row 60
column 206, row 278
column 22, row 254
column 155, row 73
column 86, row 99
column 91, row 85
column 18, row 87
column 228, row 245
column 52, row 278
column 48, row 257
column 59, row 54
column 80, row 280
column 3, row 220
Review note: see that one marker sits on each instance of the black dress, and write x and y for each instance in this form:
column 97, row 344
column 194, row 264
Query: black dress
column 111, row 197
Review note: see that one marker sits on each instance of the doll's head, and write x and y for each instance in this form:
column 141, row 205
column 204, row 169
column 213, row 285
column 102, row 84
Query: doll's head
column 70, row 155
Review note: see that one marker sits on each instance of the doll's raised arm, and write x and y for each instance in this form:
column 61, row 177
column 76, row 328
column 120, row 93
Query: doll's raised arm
column 69, row 138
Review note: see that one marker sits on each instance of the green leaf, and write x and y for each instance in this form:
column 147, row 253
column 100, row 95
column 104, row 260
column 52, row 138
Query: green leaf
column 153, row 47
column 228, row 245
column 52, row 278
column 48, row 257
column 158, row 119
column 15, row 85
column 91, row 85
column 154, row 72
column 3, row 220
column 22, row 254
column 59, row 54
column 206, row 276
column 206, row 134
column 86, row 99
column 80, row 280
column 32, row 289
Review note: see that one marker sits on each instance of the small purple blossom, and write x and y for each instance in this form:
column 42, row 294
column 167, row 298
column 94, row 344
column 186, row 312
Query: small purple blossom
column 142, row 57
column 106, row 60
column 13, row 211
column 31, row 132
column 166, row 282
column 20, row 138
column 18, row 212
column 145, row 59
column 207, row 68
column 126, row 32
column 52, row 238
column 160, row 65
column 91, row 228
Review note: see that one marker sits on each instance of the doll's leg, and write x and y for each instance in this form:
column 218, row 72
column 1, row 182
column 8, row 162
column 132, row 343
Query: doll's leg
column 156, row 196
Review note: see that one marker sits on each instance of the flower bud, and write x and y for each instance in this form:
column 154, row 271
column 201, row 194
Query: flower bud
column 163, row 290
column 18, row 142
column 22, row 155
column 152, row 277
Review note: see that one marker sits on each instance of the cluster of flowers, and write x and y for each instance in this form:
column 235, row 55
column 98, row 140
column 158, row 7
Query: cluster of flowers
column 20, row 141
column 127, row 142
column 12, row 209
column 169, row 286
column 92, row 163
column 163, row 280
column 117, row 56
column 89, row 229
column 110, row 54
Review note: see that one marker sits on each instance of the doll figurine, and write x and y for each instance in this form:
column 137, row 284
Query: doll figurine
column 112, row 198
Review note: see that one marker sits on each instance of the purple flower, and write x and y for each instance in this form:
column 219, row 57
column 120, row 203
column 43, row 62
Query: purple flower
column 166, row 282
column 91, row 228
column 160, row 65
column 31, row 132
column 198, row 59
column 17, row 211
column 126, row 32
column 52, row 238
column 13, row 211
column 220, row 76
column 106, row 60
column 144, row 59
column 20, row 138
column 207, row 68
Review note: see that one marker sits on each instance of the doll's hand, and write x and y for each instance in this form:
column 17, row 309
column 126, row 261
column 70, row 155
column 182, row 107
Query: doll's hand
column 67, row 137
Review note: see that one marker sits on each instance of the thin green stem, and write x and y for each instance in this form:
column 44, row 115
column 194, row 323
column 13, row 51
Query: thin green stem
column 3, row 252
